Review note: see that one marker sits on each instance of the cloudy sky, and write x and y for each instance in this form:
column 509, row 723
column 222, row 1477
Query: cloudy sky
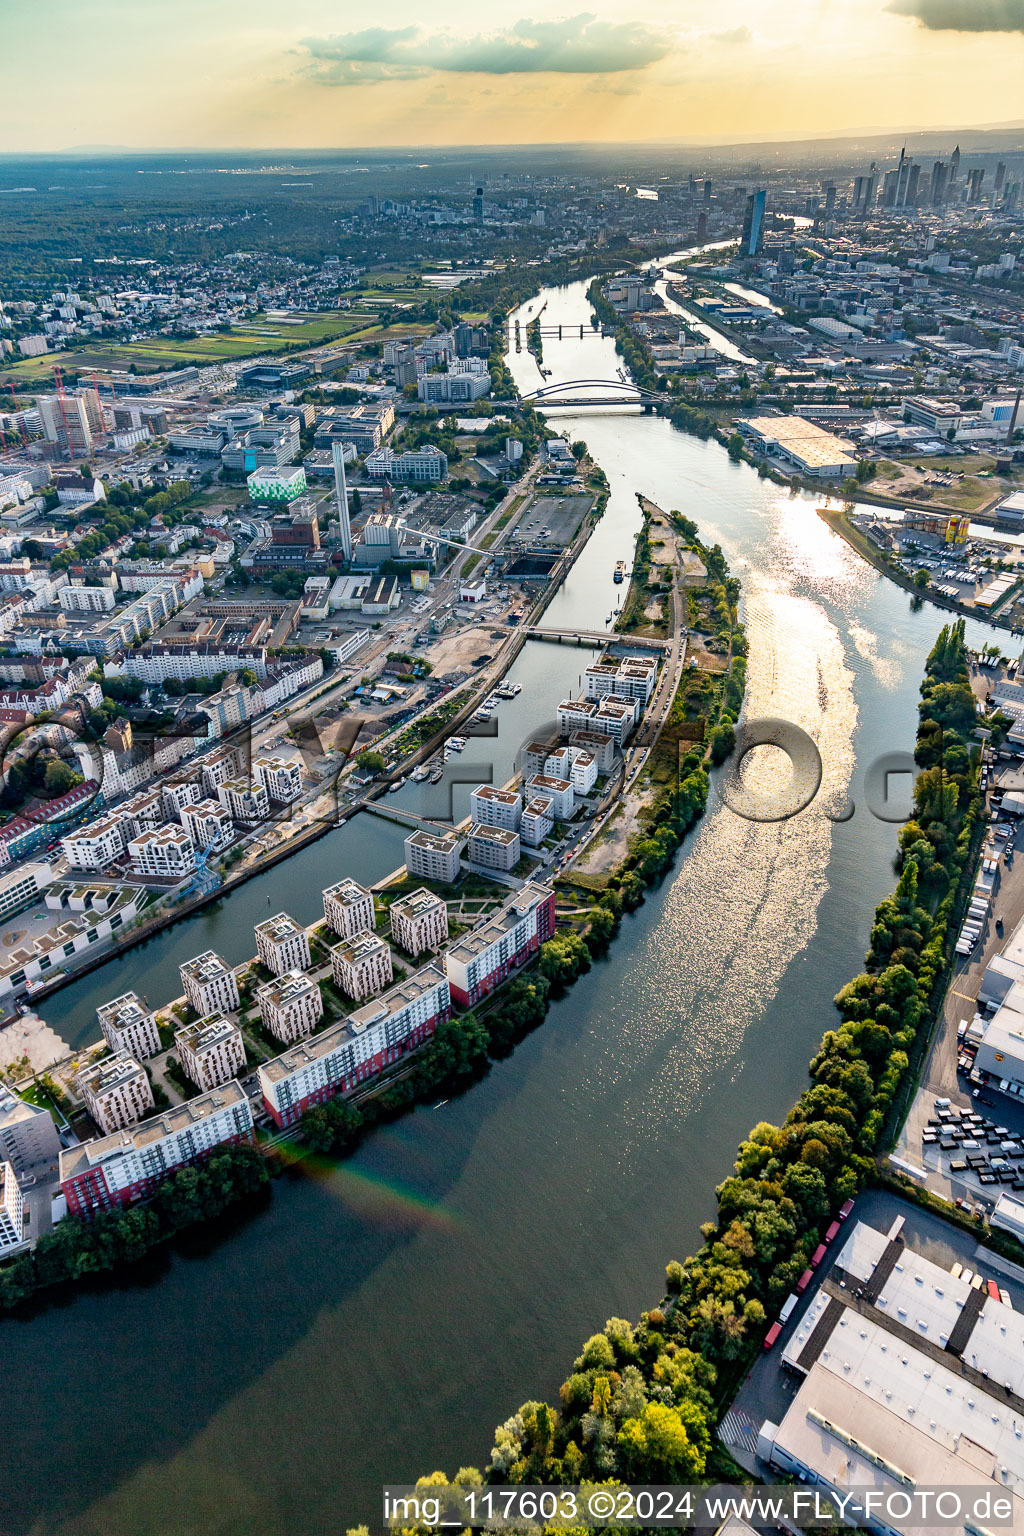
column 169, row 73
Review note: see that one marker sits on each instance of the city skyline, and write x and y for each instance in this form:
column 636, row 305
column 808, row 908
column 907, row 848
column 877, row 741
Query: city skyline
column 245, row 78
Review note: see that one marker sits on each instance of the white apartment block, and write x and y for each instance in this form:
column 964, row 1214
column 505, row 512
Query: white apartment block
column 141, row 812
column 243, row 801
column 86, row 599
column 114, row 1170
column 632, row 677
column 362, row 966
column 174, row 797
column 616, row 718
column 434, row 856
column 211, row 1051
column 210, row 984
column 538, row 821
column 95, row 846
column 492, row 807
column 582, row 772
column 559, row 791
column 28, row 1135
column 22, row 886
column 208, row 824
column 12, row 1212
column 218, row 767
column 164, row 853
column 281, row 777
column 419, row 922
column 601, row 748
column 291, row 1006
column 493, row 848
column 282, row 944
column 575, row 715
column 129, row 1026
column 348, row 909
column 116, row 1091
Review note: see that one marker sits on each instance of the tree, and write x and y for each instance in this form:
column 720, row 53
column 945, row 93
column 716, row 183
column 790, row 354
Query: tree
column 921, row 579
column 60, row 777
column 579, row 450
column 657, row 1448
column 371, row 762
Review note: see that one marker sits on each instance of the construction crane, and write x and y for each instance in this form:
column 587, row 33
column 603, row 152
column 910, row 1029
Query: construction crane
column 205, row 879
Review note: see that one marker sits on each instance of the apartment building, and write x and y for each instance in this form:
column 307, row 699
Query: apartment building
column 533, row 758
column 538, row 821
column 129, row 1027
column 22, row 886
column 282, row 944
column 95, row 846
column 616, row 718
column 601, row 748
column 291, row 1006
column 348, row 909
column 176, row 796
column 209, row 825
column 163, row 853
column 116, row 1170
column 434, row 855
column 559, row 791
column 419, row 922
column 281, row 777
column 28, row 1135
column 631, row 677
column 481, row 959
column 245, row 802
column 491, row 807
column 211, row 1051
column 362, row 966
column 493, row 848
column 86, row 599
column 576, row 715
column 142, row 811
column 359, row 1047
column 210, row 984
column 582, row 771
column 116, row 1091
column 218, row 767
column 12, row 1212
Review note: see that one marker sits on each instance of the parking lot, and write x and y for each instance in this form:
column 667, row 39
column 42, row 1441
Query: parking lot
column 552, row 519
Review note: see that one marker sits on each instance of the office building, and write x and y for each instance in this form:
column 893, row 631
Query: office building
column 129, row 1027
column 482, row 958
column 277, row 487
column 434, row 855
column 12, row 1212
column 362, row 966
column 22, row 886
column 116, row 1170
column 348, row 1053
column 493, row 807
column 210, row 984
column 416, row 466
column 290, row 1006
column 282, row 945
column 211, row 1051
column 419, row 922
column 28, row 1135
column 65, row 421
column 116, row 1091
column 348, row 909
column 752, row 237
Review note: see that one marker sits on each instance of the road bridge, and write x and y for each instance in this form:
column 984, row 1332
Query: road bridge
column 595, row 637
column 612, row 392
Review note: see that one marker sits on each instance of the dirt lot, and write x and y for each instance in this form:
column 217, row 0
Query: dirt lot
column 963, row 481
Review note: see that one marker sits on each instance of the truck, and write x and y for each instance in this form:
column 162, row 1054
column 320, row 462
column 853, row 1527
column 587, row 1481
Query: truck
column 1013, row 803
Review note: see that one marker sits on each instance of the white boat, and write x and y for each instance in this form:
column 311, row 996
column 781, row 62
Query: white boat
column 516, row 687
column 456, row 743
column 418, row 774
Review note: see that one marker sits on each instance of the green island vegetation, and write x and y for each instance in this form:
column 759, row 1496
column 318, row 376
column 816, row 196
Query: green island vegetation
column 641, row 1400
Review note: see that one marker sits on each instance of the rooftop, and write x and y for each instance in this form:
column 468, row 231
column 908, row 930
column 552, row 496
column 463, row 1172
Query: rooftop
column 135, row 1137
column 205, row 1033
column 499, row 923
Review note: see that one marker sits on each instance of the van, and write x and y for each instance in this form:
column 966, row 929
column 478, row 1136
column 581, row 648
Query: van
column 942, row 1103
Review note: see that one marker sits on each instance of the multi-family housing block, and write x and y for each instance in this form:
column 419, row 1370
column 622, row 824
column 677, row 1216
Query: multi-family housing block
column 211, row 1051
column 282, row 944
column 362, row 965
column 291, row 1006
column 434, row 855
column 129, row 1026
column 493, row 807
column 419, row 922
column 116, row 1091
column 492, row 848
column 348, row 908
column 482, row 958
column 210, row 984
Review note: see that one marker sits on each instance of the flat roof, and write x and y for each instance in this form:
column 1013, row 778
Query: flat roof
column 479, row 832
column 88, row 1153
column 529, row 896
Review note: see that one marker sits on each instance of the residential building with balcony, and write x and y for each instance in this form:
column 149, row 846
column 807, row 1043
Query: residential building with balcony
column 129, row 1026
column 95, row 846
column 538, row 820
column 164, row 853
column 575, row 715
column 616, row 718
column 116, row 1091
column 211, row 1051
column 357, row 1048
column 28, row 1135
column 348, row 909
column 491, row 807
column 290, row 1006
column 245, row 802
column 493, row 848
column 362, row 966
column 559, row 791
column 209, row 824
column 117, row 1170
column 419, row 922
column 210, row 984
column 281, row 777
column 282, row 944
column 434, row 855
column 12, row 1212
column 483, row 958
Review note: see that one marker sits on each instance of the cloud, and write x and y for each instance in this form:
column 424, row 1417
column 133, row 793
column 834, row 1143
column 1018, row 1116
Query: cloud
column 578, row 45
column 964, row 15
column 734, row 37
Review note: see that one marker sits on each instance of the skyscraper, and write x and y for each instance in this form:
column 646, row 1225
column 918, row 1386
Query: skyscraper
column 975, row 177
column 1000, row 175
column 940, row 181
column 954, row 165
column 341, row 493
column 752, row 237
column 478, row 205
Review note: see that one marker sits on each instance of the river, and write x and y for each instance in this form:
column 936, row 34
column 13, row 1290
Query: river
column 377, row 1319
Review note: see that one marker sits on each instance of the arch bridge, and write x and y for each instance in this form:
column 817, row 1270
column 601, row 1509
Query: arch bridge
column 606, row 392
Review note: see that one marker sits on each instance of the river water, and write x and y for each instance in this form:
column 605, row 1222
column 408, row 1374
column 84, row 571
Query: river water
column 378, row 1319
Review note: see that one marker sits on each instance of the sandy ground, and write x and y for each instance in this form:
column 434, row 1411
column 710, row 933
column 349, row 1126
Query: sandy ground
column 29, row 1036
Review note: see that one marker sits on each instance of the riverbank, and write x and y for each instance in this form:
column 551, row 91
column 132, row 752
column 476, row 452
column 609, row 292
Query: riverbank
column 643, row 1400
column 840, row 523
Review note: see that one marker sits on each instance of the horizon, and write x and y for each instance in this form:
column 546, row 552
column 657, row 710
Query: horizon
column 245, row 81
